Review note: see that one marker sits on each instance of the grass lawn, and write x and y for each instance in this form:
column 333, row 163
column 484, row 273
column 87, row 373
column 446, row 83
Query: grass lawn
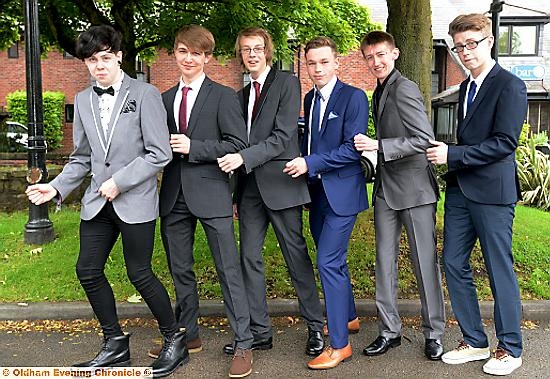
column 32, row 273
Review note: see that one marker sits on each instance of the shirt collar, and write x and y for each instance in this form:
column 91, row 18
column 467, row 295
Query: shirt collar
column 263, row 76
column 195, row 85
column 327, row 88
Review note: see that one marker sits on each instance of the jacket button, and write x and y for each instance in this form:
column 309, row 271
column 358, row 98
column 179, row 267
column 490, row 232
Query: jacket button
column 183, row 156
column 107, row 164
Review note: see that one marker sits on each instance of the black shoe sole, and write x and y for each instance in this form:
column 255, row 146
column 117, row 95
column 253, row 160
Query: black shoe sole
column 391, row 345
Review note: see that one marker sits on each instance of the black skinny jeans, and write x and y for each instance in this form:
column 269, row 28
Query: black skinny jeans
column 97, row 237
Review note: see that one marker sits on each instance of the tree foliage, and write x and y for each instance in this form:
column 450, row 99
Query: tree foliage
column 150, row 24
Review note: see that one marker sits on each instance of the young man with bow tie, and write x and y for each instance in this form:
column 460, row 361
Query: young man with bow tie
column 265, row 194
column 120, row 138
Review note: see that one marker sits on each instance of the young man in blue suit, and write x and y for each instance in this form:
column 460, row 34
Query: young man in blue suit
column 120, row 138
column 482, row 189
column 335, row 113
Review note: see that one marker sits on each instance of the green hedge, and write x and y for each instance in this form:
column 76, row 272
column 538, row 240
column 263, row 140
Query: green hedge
column 54, row 108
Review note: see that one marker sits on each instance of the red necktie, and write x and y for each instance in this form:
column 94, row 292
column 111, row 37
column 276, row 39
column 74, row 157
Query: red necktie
column 183, row 110
column 256, row 99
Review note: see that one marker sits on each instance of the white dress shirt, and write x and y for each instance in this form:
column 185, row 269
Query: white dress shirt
column 325, row 93
column 252, row 96
column 479, row 81
column 107, row 103
column 194, row 88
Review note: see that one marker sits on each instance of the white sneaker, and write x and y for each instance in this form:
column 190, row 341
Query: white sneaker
column 465, row 353
column 502, row 363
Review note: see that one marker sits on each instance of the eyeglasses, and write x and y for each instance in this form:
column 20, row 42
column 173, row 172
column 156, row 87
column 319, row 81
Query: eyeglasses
column 247, row 50
column 470, row 45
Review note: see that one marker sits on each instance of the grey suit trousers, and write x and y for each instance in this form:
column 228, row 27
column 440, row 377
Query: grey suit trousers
column 419, row 225
column 254, row 218
column 178, row 234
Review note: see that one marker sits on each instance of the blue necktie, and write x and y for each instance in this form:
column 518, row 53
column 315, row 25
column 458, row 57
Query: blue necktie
column 315, row 120
column 471, row 94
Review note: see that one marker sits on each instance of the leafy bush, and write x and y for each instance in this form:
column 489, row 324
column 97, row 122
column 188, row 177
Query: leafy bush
column 371, row 131
column 534, row 176
column 53, row 103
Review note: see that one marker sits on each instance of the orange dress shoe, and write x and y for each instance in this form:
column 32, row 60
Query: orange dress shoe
column 353, row 327
column 330, row 358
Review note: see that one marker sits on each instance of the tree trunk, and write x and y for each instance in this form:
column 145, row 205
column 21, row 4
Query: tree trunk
column 410, row 22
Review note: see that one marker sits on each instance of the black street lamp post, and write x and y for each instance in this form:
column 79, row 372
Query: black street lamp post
column 38, row 229
column 496, row 8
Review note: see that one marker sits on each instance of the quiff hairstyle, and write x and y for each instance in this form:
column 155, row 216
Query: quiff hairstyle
column 195, row 37
column 254, row 31
column 319, row 42
column 473, row 21
column 374, row 38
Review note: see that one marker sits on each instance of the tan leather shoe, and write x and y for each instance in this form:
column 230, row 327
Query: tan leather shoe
column 353, row 327
column 193, row 346
column 330, row 358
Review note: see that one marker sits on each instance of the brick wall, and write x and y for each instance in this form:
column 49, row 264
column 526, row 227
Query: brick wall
column 455, row 73
column 71, row 76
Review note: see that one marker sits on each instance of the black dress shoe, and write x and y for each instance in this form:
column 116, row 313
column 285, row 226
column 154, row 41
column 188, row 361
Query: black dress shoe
column 381, row 345
column 315, row 343
column 264, row 344
column 433, row 349
column 173, row 354
column 115, row 352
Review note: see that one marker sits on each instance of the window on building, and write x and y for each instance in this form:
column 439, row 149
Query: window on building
column 444, row 120
column 13, row 51
column 141, row 70
column 69, row 112
column 67, row 55
column 538, row 116
column 518, row 40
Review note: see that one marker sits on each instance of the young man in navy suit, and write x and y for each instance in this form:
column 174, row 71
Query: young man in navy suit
column 482, row 190
column 335, row 113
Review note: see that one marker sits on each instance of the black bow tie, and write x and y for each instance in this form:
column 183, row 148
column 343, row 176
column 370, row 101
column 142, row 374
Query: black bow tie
column 100, row 91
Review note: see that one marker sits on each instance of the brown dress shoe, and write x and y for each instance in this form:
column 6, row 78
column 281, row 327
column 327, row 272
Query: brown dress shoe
column 193, row 346
column 241, row 364
column 330, row 358
column 353, row 327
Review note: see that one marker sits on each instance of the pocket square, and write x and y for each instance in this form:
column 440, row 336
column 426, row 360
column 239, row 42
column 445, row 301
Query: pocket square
column 130, row 106
column 332, row 115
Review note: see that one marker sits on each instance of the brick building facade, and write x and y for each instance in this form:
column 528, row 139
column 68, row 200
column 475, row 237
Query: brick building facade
column 69, row 75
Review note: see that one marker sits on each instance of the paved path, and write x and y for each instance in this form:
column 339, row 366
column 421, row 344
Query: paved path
column 285, row 360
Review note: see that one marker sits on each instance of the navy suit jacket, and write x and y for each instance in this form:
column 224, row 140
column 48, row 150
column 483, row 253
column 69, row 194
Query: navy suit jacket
column 337, row 160
column 484, row 158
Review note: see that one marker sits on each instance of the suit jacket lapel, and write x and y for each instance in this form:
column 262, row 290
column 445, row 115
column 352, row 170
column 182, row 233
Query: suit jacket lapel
column 265, row 89
column 246, row 96
column 384, row 95
column 483, row 91
column 169, row 105
column 117, row 109
column 199, row 103
column 94, row 105
column 330, row 106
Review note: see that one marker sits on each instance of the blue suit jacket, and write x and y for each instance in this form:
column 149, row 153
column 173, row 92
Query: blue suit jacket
column 337, row 160
column 484, row 158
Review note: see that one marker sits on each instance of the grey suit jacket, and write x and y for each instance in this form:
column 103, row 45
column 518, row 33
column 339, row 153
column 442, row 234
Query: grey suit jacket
column 402, row 127
column 136, row 148
column 216, row 127
column 273, row 141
